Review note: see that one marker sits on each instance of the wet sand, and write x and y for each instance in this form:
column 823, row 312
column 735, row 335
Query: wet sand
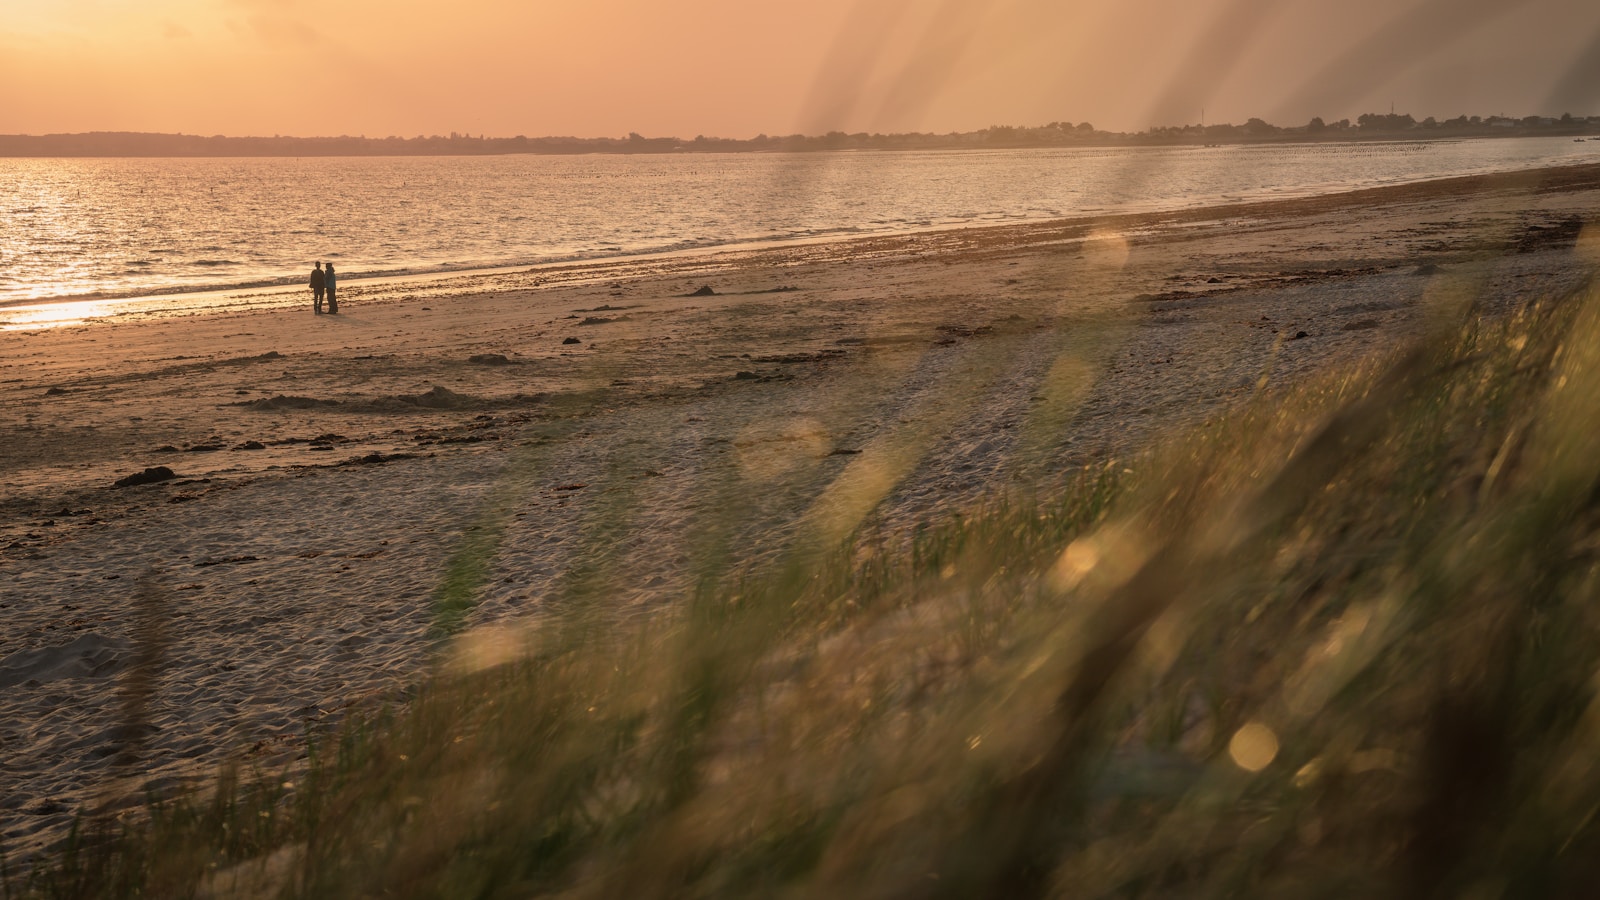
column 601, row 434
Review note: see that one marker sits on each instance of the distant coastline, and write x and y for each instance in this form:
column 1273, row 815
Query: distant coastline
column 1369, row 127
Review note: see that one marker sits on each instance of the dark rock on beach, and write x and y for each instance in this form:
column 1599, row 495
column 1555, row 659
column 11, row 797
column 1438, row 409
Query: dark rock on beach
column 703, row 291
column 489, row 359
column 376, row 458
column 283, row 401
column 148, row 476
column 572, row 340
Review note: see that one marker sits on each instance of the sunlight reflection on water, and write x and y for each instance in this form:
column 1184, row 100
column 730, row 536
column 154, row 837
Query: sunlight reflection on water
column 54, row 315
column 121, row 228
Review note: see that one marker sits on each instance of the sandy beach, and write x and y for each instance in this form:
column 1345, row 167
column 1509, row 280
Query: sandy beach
column 607, row 433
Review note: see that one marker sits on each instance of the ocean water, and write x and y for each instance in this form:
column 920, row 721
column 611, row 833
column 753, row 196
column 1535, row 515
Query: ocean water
column 130, row 228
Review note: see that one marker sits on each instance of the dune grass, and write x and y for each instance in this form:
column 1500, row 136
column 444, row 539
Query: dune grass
column 1342, row 642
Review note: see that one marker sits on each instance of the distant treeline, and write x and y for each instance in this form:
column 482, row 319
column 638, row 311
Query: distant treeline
column 1371, row 126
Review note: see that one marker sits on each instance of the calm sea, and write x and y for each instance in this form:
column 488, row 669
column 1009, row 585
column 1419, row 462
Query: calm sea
column 120, row 228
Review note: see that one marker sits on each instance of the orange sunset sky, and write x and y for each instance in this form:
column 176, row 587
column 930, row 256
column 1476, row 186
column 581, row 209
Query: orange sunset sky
column 735, row 68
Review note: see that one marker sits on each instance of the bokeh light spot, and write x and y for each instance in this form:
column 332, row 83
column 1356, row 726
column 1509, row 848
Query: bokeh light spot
column 1253, row 747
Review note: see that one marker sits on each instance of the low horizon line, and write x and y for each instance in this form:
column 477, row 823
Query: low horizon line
column 633, row 135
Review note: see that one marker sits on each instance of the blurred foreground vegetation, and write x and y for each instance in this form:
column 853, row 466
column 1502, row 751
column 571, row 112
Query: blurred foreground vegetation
column 1343, row 642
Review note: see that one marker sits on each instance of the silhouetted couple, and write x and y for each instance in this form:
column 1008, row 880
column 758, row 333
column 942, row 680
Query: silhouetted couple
column 323, row 280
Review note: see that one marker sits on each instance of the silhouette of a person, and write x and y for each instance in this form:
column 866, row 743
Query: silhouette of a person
column 328, row 280
column 317, row 285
